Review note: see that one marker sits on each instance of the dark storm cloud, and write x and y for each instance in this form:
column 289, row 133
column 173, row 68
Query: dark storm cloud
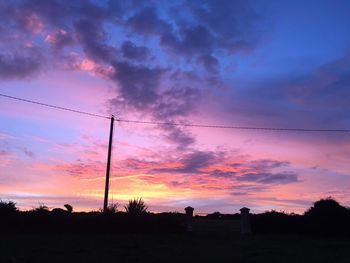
column 25, row 21
column 147, row 22
column 176, row 101
column 209, row 62
column 206, row 27
column 82, row 169
column 327, row 88
column 259, row 171
column 318, row 99
column 244, row 189
column 234, row 23
column 61, row 39
column 138, row 84
column 134, row 52
column 19, row 57
column 180, row 137
column 18, row 65
column 223, row 174
column 194, row 35
column 60, row 12
column 267, row 164
column 195, row 40
column 192, row 162
column 205, row 166
column 92, row 38
column 269, row 178
column 83, row 23
column 197, row 160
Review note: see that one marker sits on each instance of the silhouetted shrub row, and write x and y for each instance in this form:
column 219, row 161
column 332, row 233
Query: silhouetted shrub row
column 41, row 219
column 218, row 215
column 81, row 222
column 325, row 217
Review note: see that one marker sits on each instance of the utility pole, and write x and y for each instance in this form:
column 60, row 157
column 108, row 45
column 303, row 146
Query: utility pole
column 108, row 169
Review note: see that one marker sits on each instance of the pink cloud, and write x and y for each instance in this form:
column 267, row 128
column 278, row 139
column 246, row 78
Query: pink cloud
column 31, row 22
column 78, row 63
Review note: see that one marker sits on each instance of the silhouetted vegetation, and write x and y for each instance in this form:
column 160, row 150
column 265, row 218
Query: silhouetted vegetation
column 325, row 217
column 328, row 217
column 136, row 207
column 111, row 208
column 69, row 208
column 41, row 209
column 41, row 220
column 218, row 215
column 7, row 207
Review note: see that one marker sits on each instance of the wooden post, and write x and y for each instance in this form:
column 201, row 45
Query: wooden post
column 108, row 169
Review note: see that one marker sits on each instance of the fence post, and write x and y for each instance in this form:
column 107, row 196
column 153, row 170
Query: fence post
column 189, row 218
column 245, row 221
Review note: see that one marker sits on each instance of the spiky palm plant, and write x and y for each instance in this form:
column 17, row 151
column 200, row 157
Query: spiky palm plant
column 136, row 207
column 41, row 208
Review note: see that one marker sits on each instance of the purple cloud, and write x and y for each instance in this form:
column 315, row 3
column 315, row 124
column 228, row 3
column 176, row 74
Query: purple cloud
column 60, row 39
column 191, row 163
column 134, row 52
column 139, row 85
column 180, row 137
column 19, row 65
column 269, row 178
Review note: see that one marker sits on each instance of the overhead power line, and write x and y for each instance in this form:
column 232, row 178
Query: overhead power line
column 54, row 106
column 179, row 124
column 234, row 127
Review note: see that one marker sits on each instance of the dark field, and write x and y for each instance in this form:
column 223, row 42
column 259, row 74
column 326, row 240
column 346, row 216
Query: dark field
column 200, row 246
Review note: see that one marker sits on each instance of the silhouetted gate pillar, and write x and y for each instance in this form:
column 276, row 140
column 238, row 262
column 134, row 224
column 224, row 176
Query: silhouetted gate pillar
column 189, row 218
column 245, row 221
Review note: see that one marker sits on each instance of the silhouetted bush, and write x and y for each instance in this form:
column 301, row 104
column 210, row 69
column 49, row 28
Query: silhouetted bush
column 136, row 207
column 8, row 215
column 59, row 211
column 7, row 208
column 215, row 215
column 219, row 216
column 111, row 209
column 41, row 209
column 325, row 217
column 69, row 208
column 276, row 222
column 327, row 208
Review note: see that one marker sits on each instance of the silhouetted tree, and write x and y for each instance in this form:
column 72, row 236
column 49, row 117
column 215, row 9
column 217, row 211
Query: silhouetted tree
column 7, row 207
column 326, row 208
column 69, row 208
column 328, row 217
column 136, row 206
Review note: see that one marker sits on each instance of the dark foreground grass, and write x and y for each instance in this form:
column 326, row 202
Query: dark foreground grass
column 172, row 247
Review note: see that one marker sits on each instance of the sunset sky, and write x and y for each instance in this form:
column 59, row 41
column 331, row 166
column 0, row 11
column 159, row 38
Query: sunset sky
column 282, row 64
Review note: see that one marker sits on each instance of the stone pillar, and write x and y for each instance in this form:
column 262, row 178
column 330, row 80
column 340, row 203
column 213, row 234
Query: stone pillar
column 189, row 218
column 245, row 221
